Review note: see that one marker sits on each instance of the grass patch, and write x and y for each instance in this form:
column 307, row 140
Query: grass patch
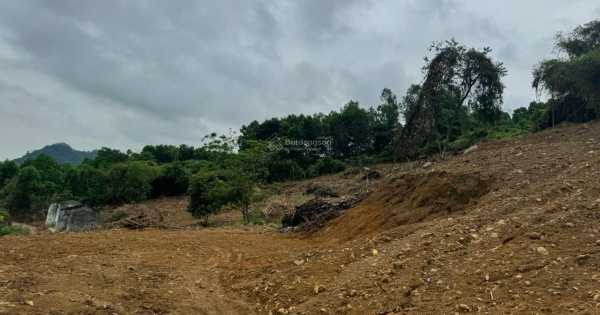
column 12, row 230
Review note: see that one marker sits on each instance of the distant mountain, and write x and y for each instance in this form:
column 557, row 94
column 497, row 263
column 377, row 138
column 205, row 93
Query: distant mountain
column 61, row 152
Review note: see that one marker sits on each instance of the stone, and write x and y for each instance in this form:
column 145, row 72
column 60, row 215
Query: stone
column 542, row 251
column 397, row 265
column 582, row 259
column 534, row 235
column 319, row 288
column 470, row 149
column 569, row 225
column 428, row 164
column 598, row 243
column 72, row 216
column 353, row 293
column 464, row 307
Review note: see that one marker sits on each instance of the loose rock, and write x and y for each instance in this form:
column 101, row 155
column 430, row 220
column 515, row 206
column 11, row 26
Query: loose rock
column 543, row 251
column 471, row 149
column 464, row 307
column 319, row 288
column 534, row 235
column 397, row 265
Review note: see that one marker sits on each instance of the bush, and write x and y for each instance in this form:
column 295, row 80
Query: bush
column 172, row 180
column 460, row 144
column 282, row 170
column 130, row 182
column 206, row 195
column 5, row 226
column 88, row 184
column 326, row 165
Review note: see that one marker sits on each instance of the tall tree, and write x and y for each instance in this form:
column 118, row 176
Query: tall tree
column 457, row 78
column 572, row 80
column 386, row 119
column 351, row 130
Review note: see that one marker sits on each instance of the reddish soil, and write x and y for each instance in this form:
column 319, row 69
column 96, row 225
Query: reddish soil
column 511, row 228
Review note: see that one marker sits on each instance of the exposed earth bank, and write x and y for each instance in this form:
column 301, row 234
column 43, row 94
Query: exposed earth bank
column 511, row 228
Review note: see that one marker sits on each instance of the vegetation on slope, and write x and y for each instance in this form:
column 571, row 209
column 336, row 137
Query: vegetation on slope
column 457, row 104
column 61, row 153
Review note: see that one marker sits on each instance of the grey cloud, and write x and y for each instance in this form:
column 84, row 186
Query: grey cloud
column 128, row 73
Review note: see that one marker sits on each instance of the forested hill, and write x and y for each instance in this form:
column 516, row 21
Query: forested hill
column 61, row 152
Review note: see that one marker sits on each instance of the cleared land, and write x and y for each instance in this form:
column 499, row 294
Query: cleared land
column 511, row 228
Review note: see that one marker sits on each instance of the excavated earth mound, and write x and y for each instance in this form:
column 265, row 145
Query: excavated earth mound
column 510, row 228
column 408, row 198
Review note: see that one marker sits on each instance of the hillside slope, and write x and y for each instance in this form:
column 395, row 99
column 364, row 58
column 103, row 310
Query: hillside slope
column 61, row 152
column 511, row 228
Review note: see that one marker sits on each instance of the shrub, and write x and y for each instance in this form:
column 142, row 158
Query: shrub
column 326, row 165
column 172, row 180
column 282, row 170
column 5, row 226
column 460, row 144
column 206, row 195
column 130, row 182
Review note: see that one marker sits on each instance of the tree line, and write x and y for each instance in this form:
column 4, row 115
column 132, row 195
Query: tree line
column 458, row 102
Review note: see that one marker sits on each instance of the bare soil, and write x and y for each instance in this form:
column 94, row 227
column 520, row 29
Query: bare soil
column 511, row 228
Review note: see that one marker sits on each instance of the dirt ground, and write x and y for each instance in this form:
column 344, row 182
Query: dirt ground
column 511, row 228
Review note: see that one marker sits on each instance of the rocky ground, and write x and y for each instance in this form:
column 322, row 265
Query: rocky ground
column 510, row 228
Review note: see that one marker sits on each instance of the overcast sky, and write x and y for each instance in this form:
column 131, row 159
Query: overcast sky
column 123, row 74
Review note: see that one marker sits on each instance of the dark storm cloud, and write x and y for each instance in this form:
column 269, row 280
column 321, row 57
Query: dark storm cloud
column 128, row 73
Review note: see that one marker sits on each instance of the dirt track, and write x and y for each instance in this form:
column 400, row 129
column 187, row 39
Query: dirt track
column 125, row 272
column 511, row 228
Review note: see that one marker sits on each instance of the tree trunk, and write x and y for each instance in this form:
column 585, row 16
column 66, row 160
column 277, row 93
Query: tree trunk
column 245, row 214
column 453, row 119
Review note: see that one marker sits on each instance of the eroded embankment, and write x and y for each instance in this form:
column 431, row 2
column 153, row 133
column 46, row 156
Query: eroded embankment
column 408, row 198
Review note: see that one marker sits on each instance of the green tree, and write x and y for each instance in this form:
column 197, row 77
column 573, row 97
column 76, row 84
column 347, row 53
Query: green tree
column 8, row 170
column 351, row 130
column 88, row 184
column 386, row 120
column 326, row 165
column 207, row 194
column 163, row 153
column 456, row 79
column 172, row 180
column 107, row 157
column 528, row 118
column 572, row 80
column 21, row 193
column 130, row 182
